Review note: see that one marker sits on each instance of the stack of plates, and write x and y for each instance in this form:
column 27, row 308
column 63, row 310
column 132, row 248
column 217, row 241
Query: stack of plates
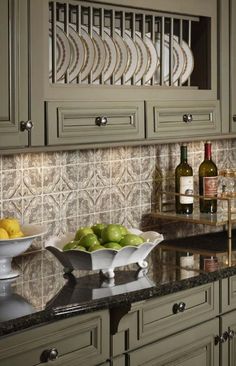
column 127, row 57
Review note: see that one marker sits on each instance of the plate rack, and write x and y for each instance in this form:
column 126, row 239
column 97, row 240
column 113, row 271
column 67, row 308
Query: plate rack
column 91, row 43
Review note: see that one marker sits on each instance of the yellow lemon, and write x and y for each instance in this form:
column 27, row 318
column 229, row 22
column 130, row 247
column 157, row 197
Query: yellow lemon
column 3, row 234
column 16, row 235
column 11, row 225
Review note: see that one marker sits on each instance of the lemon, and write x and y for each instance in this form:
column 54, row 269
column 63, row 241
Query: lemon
column 16, row 235
column 3, row 234
column 11, row 225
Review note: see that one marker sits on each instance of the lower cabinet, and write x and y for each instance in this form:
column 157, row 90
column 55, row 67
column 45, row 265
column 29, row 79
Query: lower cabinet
column 77, row 341
column 193, row 347
column 228, row 342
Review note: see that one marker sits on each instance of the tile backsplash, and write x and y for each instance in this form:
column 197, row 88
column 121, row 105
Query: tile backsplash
column 65, row 190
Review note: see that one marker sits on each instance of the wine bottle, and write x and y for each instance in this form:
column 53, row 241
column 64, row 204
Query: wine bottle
column 183, row 184
column 208, row 182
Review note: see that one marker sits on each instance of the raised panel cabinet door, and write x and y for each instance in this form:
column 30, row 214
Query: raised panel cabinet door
column 13, row 73
column 228, row 294
column 193, row 347
column 228, row 348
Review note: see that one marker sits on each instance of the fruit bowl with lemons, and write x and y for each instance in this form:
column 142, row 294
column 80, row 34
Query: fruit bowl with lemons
column 15, row 239
column 103, row 247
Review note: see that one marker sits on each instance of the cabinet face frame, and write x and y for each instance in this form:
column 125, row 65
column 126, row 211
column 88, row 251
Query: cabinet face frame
column 13, row 73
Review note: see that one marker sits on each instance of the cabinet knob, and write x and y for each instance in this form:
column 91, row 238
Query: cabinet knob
column 231, row 334
column 101, row 121
column 221, row 338
column 26, row 125
column 234, row 117
column 187, row 118
column 179, row 308
column 49, row 355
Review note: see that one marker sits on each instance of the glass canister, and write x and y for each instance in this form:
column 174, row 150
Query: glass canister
column 227, row 185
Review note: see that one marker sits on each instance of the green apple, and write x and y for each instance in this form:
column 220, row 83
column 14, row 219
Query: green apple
column 82, row 232
column 79, row 247
column 131, row 239
column 71, row 245
column 97, row 229
column 88, row 240
column 111, row 233
column 94, row 247
column 112, row 245
column 124, row 231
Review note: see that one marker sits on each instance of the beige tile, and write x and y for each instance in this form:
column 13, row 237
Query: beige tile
column 32, row 160
column 69, row 177
column 32, row 209
column 12, row 162
column 102, row 174
column 51, row 207
column 51, row 180
column 133, row 170
column 32, row 182
column 102, row 199
column 86, row 176
column 11, row 184
column 86, row 201
column 69, row 204
column 118, row 172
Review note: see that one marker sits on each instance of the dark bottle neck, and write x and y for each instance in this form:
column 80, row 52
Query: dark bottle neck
column 183, row 154
column 207, row 151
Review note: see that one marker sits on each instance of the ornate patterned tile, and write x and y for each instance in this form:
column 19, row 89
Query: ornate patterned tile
column 118, row 172
column 118, row 217
column 133, row 170
column 133, row 217
column 86, row 220
column 86, row 202
column 148, row 150
column 51, row 180
column 50, row 265
column 86, row 176
column 118, row 153
column 118, row 197
column 11, row 162
column 102, row 174
column 69, row 157
column 51, row 207
column 12, row 208
column 133, row 194
column 133, row 152
column 86, row 156
column 52, row 159
column 11, row 184
column 32, row 160
column 69, row 204
column 104, row 217
column 33, row 209
column 69, row 177
column 32, row 266
column 101, row 155
column 32, row 290
column 102, row 199
column 32, row 182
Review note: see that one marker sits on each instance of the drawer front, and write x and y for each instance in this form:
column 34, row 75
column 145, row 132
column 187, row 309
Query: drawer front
column 193, row 347
column 84, row 338
column 160, row 317
column 188, row 119
column 228, row 294
column 94, row 122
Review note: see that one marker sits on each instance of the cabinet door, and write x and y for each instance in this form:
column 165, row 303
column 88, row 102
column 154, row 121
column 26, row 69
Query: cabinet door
column 193, row 347
column 228, row 354
column 13, row 73
column 233, row 66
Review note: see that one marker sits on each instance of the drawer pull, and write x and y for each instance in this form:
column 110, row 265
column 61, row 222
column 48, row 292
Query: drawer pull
column 26, row 125
column 179, row 308
column 187, row 118
column 49, row 355
column 101, row 121
column 234, row 117
column 231, row 334
column 221, row 338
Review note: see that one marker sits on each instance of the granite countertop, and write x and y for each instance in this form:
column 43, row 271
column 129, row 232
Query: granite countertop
column 77, row 295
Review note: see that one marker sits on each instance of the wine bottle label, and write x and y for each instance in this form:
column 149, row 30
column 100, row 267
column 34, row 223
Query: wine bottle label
column 186, row 187
column 210, row 186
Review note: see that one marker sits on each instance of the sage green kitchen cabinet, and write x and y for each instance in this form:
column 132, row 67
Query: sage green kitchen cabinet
column 193, row 347
column 13, row 73
column 81, row 340
column 228, row 347
column 194, row 110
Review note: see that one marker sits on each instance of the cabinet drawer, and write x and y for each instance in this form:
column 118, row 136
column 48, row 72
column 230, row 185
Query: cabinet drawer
column 183, row 119
column 228, row 294
column 188, row 348
column 94, row 122
column 84, row 338
column 160, row 317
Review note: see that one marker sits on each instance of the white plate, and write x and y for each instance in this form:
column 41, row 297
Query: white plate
column 142, row 57
column 111, row 56
column 153, row 61
column 188, row 62
column 77, row 54
column 178, row 60
column 99, row 57
column 89, row 53
column 62, row 52
column 132, row 57
column 122, row 57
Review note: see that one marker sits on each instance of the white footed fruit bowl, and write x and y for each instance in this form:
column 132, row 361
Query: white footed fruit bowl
column 105, row 259
column 12, row 247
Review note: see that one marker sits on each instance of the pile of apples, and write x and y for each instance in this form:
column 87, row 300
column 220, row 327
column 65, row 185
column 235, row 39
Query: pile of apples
column 101, row 236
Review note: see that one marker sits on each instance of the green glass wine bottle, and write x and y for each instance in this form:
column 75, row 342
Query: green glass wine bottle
column 208, row 182
column 184, row 184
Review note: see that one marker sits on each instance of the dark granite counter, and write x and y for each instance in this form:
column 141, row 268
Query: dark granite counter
column 69, row 296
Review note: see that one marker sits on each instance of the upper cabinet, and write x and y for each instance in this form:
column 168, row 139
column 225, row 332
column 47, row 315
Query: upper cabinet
column 105, row 72
column 232, row 66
